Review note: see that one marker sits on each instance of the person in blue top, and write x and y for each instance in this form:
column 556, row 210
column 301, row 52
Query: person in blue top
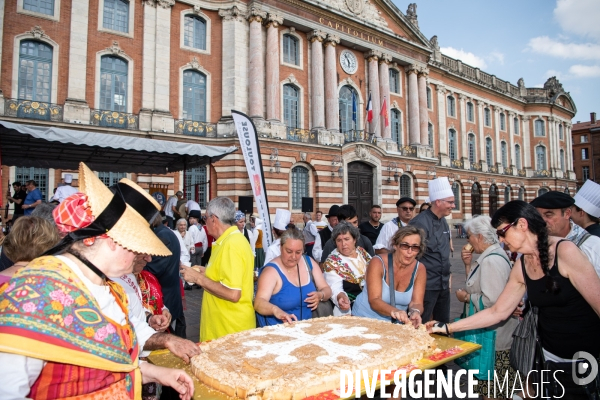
column 33, row 199
column 409, row 282
column 288, row 287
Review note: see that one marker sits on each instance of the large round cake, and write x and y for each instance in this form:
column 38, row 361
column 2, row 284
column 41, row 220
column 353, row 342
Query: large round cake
column 294, row 361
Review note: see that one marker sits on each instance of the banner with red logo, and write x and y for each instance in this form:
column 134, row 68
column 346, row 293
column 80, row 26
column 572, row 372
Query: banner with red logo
column 251, row 150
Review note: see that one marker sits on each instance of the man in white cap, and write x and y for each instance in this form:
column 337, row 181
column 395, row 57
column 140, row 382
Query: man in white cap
column 282, row 219
column 586, row 210
column 437, row 255
column 64, row 191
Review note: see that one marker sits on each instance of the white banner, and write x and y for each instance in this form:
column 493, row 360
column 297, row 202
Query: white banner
column 251, row 150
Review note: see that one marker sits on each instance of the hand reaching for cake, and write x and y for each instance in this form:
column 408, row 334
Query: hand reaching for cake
column 343, row 301
column 285, row 317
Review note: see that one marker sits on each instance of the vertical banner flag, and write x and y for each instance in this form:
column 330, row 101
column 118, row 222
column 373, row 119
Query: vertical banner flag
column 369, row 109
column 251, row 150
column 384, row 112
column 354, row 108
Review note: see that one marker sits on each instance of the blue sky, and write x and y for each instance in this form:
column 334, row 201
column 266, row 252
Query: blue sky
column 532, row 39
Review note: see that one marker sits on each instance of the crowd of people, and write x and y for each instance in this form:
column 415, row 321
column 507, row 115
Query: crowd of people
column 104, row 273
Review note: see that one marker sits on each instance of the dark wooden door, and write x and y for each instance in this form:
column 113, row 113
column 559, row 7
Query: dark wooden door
column 493, row 200
column 476, row 199
column 360, row 188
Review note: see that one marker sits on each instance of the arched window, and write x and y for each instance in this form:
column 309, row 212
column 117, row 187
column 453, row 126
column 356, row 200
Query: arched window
column 517, row 156
column 489, row 159
column 470, row 112
column 562, row 159
column 394, row 81
column 504, row 151
column 299, row 186
column 522, row 193
column 194, row 96
column 40, row 6
column 429, row 104
column 35, row 71
column 405, row 186
column 507, row 191
column 116, row 15
column 196, row 184
column 516, row 123
column 456, row 191
column 487, row 117
column 291, row 51
column 451, row 106
column 348, row 122
column 195, row 32
column 493, row 199
column 452, row 144
column 397, row 126
column 430, row 134
column 560, row 132
column 540, row 129
column 291, row 100
column 472, row 151
column 540, row 158
column 542, row 191
column 502, row 122
column 113, row 84
column 475, row 199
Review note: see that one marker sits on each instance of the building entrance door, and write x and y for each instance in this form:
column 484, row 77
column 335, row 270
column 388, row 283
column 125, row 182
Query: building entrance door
column 476, row 199
column 493, row 200
column 360, row 189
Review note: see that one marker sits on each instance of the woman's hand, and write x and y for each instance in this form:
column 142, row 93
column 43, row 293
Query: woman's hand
column 466, row 255
column 415, row 318
column 313, row 299
column 285, row 317
column 343, row 301
column 178, row 379
column 400, row 316
column 437, row 327
column 462, row 295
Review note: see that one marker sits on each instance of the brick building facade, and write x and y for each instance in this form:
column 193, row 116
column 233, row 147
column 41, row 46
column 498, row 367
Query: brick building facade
column 586, row 150
column 304, row 71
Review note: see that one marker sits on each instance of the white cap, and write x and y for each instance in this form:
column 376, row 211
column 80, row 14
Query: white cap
column 439, row 189
column 258, row 223
column 68, row 178
column 588, row 198
column 427, row 200
column 282, row 219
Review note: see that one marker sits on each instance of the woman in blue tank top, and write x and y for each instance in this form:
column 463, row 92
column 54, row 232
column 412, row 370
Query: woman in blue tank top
column 410, row 278
column 286, row 289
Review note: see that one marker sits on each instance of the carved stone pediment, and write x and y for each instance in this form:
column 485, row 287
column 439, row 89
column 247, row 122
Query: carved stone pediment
column 37, row 32
column 362, row 152
column 362, row 9
column 115, row 48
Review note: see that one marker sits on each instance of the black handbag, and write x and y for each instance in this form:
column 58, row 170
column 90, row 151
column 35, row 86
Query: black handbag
column 325, row 308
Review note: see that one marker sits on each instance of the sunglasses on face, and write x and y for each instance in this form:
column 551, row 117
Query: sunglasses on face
column 406, row 246
column 406, row 208
column 502, row 232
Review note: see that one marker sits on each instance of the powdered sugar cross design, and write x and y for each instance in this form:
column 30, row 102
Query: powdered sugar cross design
column 300, row 338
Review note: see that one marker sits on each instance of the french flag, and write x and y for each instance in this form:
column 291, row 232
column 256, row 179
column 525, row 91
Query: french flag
column 369, row 109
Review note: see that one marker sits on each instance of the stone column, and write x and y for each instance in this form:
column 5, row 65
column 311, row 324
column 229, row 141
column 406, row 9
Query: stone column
column 332, row 107
column 569, row 150
column 317, row 86
column 273, row 109
column 443, row 135
column 76, row 107
column 481, row 133
column 526, row 143
column 256, row 73
column 423, row 111
column 414, row 122
column 462, row 103
column 372, row 59
column 161, row 116
column 497, row 144
column 511, row 138
column 148, row 64
column 384, row 91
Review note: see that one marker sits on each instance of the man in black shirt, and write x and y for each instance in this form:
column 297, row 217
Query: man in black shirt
column 17, row 199
column 372, row 228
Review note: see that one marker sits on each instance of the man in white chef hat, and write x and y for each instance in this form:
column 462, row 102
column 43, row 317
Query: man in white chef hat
column 282, row 219
column 586, row 210
column 64, row 191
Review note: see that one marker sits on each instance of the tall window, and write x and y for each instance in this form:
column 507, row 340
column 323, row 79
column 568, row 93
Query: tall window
column 540, row 157
column 41, row 6
column 516, row 125
column 291, row 106
column 456, row 192
column 560, row 132
column 507, row 194
column 517, row 156
column 194, row 96
column 502, row 122
column 585, row 153
column 585, row 173
column 504, row 151
column 493, row 199
column 194, row 32
column 291, row 52
column 113, row 84
column 111, row 178
column 429, row 103
column 396, row 126
column 540, row 129
column 405, row 186
column 430, row 134
column 470, row 112
column 487, row 117
column 346, row 121
column 472, row 152
column 299, row 186
column 195, row 185
column 116, row 15
column 451, row 106
column 488, row 152
column 394, row 81
column 35, row 71
column 562, row 159
column 583, row 139
column 39, row 175
column 452, row 144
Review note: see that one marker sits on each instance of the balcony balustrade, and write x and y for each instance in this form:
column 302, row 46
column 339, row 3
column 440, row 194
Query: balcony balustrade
column 195, row 128
column 31, row 109
column 114, row 119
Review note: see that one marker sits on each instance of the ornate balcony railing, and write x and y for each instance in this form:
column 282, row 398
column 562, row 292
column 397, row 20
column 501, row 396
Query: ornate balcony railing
column 33, row 110
column 522, row 172
column 302, row 135
column 508, row 171
column 359, row 136
column 195, row 128
column 114, row 119
column 542, row 173
column 408, row 151
column 493, row 169
column 458, row 164
column 476, row 166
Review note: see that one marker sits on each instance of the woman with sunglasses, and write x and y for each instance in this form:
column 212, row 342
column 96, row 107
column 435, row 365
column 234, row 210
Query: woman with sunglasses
column 558, row 279
column 486, row 279
column 409, row 282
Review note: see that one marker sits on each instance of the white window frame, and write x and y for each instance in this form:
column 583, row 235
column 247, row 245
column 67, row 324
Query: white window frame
column 130, row 24
column 311, row 181
column 208, row 88
column 467, row 111
column 430, row 98
column 485, row 118
column 537, row 167
column 190, row 11
column 502, row 121
column 130, row 77
column 448, row 106
column 412, row 185
column 399, row 93
column 54, row 17
column 290, row 80
column 292, row 32
column 535, row 124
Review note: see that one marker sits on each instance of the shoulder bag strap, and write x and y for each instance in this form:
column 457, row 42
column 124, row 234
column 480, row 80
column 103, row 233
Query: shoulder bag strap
column 392, row 286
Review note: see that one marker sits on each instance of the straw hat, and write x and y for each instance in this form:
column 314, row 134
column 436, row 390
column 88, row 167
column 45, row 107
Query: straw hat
column 131, row 231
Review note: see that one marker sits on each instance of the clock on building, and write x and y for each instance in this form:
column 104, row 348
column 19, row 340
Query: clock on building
column 348, row 62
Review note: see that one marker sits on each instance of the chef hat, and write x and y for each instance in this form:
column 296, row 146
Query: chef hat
column 439, row 189
column 282, row 219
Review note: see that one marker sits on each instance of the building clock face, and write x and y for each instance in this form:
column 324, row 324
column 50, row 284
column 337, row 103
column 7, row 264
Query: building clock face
column 348, row 62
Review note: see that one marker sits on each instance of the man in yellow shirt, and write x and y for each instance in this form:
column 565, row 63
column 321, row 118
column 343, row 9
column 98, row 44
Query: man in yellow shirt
column 228, row 279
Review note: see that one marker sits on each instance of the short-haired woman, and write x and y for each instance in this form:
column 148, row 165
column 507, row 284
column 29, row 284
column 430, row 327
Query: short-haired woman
column 410, row 278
